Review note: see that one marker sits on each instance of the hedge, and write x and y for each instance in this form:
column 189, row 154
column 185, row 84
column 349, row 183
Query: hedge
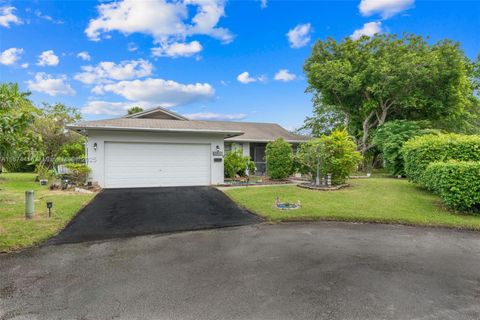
column 420, row 151
column 456, row 182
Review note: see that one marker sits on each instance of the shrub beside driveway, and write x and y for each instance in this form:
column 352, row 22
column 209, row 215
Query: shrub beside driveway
column 379, row 199
column 15, row 231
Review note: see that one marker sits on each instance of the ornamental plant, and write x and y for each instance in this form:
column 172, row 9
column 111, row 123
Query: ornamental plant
column 334, row 154
column 279, row 158
column 235, row 163
column 79, row 173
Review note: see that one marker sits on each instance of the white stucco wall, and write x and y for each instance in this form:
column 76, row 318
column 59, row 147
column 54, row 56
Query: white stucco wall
column 96, row 159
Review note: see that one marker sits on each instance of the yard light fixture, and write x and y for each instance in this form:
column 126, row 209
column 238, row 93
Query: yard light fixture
column 49, row 206
column 95, row 146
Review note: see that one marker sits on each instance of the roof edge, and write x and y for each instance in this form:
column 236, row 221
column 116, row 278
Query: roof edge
column 157, row 109
column 226, row 133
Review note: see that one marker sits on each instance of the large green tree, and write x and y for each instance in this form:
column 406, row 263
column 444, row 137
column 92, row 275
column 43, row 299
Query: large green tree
column 134, row 109
column 360, row 84
column 17, row 113
column 50, row 125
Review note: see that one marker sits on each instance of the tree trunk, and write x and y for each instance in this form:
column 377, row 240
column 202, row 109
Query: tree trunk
column 363, row 148
column 368, row 124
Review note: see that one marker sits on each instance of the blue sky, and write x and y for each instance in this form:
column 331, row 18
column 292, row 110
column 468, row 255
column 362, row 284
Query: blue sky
column 207, row 59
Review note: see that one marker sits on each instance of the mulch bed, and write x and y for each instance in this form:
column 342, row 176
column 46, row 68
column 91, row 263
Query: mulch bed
column 264, row 182
column 322, row 188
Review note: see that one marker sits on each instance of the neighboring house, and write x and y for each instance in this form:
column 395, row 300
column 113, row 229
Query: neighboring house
column 158, row 148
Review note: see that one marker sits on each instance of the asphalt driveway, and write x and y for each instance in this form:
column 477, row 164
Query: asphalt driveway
column 118, row 213
column 284, row 271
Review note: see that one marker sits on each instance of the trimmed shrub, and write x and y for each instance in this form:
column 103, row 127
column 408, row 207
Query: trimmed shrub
column 420, row 151
column 235, row 163
column 279, row 157
column 456, row 182
column 336, row 152
column 79, row 173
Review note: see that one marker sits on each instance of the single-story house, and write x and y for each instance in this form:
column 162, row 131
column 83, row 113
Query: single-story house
column 158, row 148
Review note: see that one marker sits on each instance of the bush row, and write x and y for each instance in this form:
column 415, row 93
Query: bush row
column 419, row 152
column 456, row 182
column 334, row 154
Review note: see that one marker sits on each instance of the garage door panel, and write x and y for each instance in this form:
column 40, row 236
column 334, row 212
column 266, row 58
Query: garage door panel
column 155, row 164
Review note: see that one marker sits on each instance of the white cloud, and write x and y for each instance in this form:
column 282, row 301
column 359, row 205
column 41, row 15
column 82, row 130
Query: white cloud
column 48, row 58
column 168, row 93
column 215, row 116
column 107, row 71
column 39, row 14
column 245, row 78
column 168, row 22
column 50, row 85
column 10, row 56
column 7, row 17
column 369, row 29
column 132, row 47
column 300, row 35
column 263, row 4
column 177, row 49
column 24, row 65
column 106, row 108
column 84, row 55
column 386, row 8
column 284, row 75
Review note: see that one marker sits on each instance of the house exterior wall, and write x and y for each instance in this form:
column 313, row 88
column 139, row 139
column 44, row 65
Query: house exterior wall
column 96, row 158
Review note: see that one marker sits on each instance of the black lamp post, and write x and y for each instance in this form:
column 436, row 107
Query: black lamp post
column 49, row 206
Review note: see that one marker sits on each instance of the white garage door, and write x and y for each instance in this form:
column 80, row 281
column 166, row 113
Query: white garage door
column 133, row 165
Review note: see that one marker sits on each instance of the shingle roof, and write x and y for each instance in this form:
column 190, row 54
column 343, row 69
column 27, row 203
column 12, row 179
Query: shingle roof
column 157, row 113
column 236, row 131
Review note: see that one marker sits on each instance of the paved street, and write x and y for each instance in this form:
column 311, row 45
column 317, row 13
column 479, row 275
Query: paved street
column 285, row 271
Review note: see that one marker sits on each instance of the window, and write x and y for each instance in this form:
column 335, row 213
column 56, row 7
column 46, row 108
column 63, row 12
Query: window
column 229, row 146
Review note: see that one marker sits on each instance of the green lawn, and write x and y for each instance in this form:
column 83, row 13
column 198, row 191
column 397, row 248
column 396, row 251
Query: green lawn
column 15, row 231
column 378, row 199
